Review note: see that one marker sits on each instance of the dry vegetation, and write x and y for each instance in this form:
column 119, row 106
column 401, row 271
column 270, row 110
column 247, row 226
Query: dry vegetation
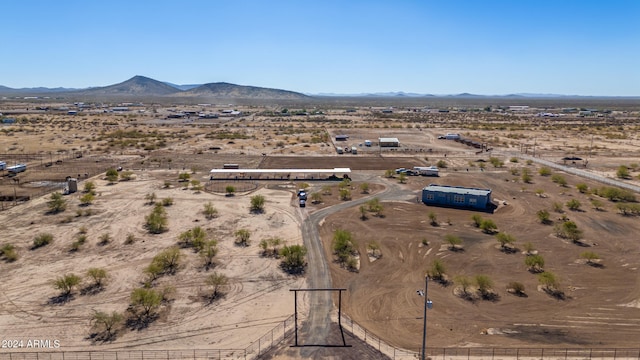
column 178, row 265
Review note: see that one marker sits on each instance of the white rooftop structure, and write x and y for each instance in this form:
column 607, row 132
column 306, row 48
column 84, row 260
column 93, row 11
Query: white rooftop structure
column 281, row 171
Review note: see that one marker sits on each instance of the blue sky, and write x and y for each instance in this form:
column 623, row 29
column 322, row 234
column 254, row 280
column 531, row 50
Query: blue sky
column 425, row 46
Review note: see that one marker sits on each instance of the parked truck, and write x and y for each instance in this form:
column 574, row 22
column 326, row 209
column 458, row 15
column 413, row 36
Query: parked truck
column 3, row 165
column 339, row 150
column 354, row 150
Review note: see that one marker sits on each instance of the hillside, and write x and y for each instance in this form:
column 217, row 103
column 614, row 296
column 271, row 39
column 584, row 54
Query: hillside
column 232, row 91
column 137, row 85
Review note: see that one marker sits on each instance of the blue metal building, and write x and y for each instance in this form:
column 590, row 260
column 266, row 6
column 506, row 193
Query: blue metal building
column 456, row 196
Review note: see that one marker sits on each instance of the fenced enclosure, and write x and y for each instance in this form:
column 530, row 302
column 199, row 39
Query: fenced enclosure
column 256, row 349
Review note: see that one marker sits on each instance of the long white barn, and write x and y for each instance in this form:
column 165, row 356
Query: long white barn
column 279, row 173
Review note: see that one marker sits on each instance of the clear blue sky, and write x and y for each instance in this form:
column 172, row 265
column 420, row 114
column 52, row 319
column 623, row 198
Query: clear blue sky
column 581, row 47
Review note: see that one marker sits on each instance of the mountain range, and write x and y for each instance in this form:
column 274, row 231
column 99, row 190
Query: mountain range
column 142, row 86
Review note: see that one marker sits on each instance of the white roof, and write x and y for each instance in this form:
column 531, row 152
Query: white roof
column 283, row 171
column 388, row 140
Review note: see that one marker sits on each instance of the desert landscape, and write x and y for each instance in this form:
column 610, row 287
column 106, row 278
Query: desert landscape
column 551, row 179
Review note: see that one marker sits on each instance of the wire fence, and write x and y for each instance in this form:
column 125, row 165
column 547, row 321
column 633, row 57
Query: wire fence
column 256, row 349
column 488, row 353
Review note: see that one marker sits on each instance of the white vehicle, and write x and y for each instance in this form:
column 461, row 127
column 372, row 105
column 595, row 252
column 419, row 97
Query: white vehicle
column 427, row 170
column 367, row 143
column 354, row 150
column 3, row 165
column 17, row 168
column 339, row 150
column 452, row 136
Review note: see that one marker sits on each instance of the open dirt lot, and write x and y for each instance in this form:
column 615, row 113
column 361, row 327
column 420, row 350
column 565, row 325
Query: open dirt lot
column 601, row 305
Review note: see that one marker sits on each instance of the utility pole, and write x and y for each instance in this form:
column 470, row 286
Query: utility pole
column 427, row 304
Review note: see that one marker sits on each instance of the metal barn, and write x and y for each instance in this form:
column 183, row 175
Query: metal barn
column 456, row 196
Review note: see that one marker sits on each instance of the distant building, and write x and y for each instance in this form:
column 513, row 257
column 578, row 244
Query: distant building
column 388, row 142
column 119, row 109
column 342, row 137
column 8, row 121
column 456, row 196
column 518, row 108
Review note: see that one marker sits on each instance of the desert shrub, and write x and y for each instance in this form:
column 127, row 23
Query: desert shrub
column 488, row 226
column 293, row 261
column 216, row 281
column 41, row 240
column 454, row 242
column 559, row 179
column 167, row 201
column 543, row 216
column 544, row 171
column 210, row 211
column 257, row 203
column 56, row 203
column 9, row 253
column 106, row 325
column 573, row 204
column 112, row 175
column 535, row 263
column 156, row 222
column 66, row 283
column 242, row 237
column 477, row 220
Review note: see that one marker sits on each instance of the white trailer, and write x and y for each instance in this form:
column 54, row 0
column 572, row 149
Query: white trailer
column 427, row 170
column 17, row 168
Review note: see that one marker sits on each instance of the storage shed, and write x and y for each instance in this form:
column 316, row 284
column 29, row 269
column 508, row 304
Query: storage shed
column 342, row 137
column 389, row 142
column 456, row 196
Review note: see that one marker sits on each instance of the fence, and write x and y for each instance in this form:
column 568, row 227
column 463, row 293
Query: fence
column 253, row 351
column 481, row 353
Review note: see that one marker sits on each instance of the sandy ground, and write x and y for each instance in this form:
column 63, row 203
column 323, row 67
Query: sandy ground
column 256, row 299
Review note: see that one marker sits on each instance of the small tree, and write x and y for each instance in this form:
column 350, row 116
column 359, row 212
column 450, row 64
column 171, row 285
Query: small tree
column 529, row 248
column 477, row 220
column 216, row 281
column 316, row 198
column 208, row 252
column 433, row 218
column 506, row 240
column 364, row 187
column 544, row 171
column 488, row 226
column 66, row 283
column 375, row 206
column 363, row 213
column 591, row 257
column 89, row 187
column 569, row 230
column 293, row 260
column 87, row 199
column 543, row 216
column 112, row 175
column 166, row 262
column 156, row 222
column 596, row 204
column 454, row 242
column 582, row 188
column 184, row 177
column 345, row 194
column 437, row 271
column 56, row 203
column 623, row 172
column 126, row 175
column 343, row 245
column 484, row 284
column 210, row 211
column 464, row 283
column 516, row 288
column 535, row 263
column 549, row 281
column 98, row 275
column 402, row 178
column 242, row 237
column 441, row 164
column 389, row 173
column 257, row 203
column 559, row 179
column 574, row 205
column 230, row 190
column 145, row 302
column 106, row 324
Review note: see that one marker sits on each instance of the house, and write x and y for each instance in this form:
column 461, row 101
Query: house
column 456, row 196
column 342, row 137
column 388, row 142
